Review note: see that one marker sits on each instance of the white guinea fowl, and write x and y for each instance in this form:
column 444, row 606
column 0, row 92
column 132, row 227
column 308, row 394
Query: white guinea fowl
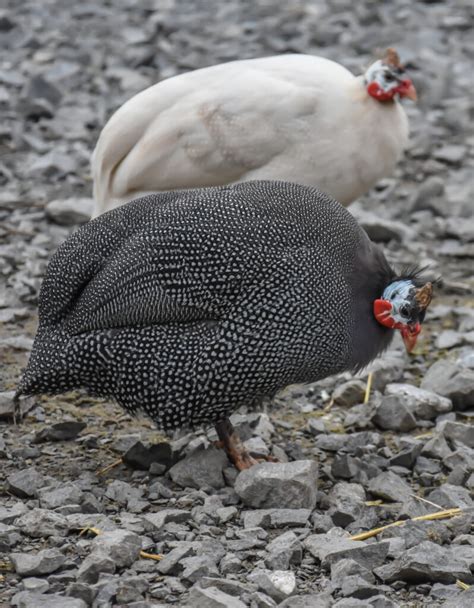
column 297, row 118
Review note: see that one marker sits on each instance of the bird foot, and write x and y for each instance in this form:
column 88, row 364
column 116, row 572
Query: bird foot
column 234, row 448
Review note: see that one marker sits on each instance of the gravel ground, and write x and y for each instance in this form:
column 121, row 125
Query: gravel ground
column 265, row 537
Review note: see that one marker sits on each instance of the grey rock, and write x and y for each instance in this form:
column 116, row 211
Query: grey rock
column 131, row 590
column 286, row 485
column 43, row 562
column 331, row 547
column 35, row 585
column 381, row 230
column 212, row 598
column 9, row 410
column 448, row 339
column 61, row 431
column 358, row 587
column 436, row 447
column 25, row 599
column 67, row 494
column 257, row 447
column 122, row 546
column 223, row 584
column 346, row 502
column 422, row 403
column 201, row 468
column 93, row 566
column 349, row 393
column 198, row 566
column 462, row 600
column 53, row 163
column 157, row 520
column 316, row 600
column 451, row 496
column 284, row 550
column 41, row 523
column 275, row 518
column 70, row 211
column 139, row 456
column 9, row 514
column 427, row 562
column 450, row 153
column 392, row 414
column 171, row 562
column 124, row 493
column 457, row 431
column 344, row 568
column 26, row 483
column 316, row 426
column 278, row 584
column 450, row 380
column 390, row 486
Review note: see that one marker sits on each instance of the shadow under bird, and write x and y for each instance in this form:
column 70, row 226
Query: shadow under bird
column 189, row 304
column 298, row 118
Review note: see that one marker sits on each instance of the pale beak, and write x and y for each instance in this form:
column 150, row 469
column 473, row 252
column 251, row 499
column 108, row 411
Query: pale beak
column 407, row 89
column 410, row 336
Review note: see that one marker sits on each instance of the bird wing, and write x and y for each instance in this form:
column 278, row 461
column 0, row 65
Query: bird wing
column 101, row 278
column 207, row 127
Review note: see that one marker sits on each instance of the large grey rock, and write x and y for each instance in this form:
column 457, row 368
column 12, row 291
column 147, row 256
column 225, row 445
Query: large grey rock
column 290, row 485
column 212, row 598
column 93, row 566
column 275, row 518
column 390, row 486
column 316, row 600
column 346, row 502
column 25, row 599
column 70, row 211
column 456, row 431
column 284, row 550
column 156, row 521
column 67, row 494
column 26, row 483
column 43, row 562
column 349, row 393
column 453, row 381
column 427, row 562
column 421, row 403
column 198, row 566
column 436, row 447
column 451, row 496
column 41, row 523
column 171, row 563
column 278, row 584
column 331, row 547
column 201, row 468
column 392, row 414
column 122, row 546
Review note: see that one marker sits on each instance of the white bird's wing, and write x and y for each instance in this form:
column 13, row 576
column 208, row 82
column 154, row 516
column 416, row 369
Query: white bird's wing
column 207, row 127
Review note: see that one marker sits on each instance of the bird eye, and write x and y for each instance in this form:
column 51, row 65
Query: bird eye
column 404, row 311
column 389, row 77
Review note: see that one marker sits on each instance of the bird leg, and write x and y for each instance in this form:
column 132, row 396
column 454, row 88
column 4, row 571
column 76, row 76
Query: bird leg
column 233, row 446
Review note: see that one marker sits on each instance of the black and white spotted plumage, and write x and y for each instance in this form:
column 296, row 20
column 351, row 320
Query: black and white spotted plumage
column 209, row 300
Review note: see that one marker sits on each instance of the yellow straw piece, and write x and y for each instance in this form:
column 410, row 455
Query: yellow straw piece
column 109, row 467
column 463, row 586
column 430, row 517
column 150, row 556
column 368, row 387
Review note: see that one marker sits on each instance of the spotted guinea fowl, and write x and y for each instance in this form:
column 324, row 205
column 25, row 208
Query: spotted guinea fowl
column 299, row 118
column 189, row 304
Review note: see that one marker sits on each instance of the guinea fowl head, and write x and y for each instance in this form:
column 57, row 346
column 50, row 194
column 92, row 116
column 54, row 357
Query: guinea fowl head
column 403, row 306
column 385, row 79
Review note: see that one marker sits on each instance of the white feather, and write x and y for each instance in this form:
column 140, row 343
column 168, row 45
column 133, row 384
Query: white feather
column 292, row 117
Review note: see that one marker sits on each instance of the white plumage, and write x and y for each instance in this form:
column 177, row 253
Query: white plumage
column 298, row 118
